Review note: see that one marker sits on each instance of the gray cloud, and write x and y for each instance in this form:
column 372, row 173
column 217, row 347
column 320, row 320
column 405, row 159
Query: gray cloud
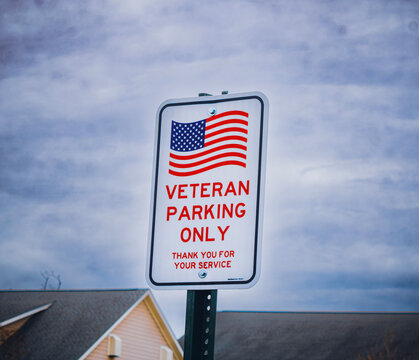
column 80, row 85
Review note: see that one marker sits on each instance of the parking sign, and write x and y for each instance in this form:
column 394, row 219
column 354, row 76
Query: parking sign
column 207, row 195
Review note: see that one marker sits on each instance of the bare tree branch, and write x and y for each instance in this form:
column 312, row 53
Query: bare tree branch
column 48, row 275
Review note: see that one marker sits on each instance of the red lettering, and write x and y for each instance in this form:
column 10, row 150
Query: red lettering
column 207, row 211
column 214, row 264
column 230, row 189
column 209, row 254
column 194, row 186
column 197, row 210
column 204, row 189
column 207, row 238
column 198, row 235
column 226, row 254
column 222, row 232
column 188, row 234
column 184, row 213
column 245, row 189
column 242, row 212
column 171, row 210
column 227, row 210
column 185, row 255
column 171, row 193
column 181, row 191
column 185, row 265
column 217, row 187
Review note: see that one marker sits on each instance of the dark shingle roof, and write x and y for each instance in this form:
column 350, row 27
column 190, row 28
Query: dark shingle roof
column 315, row 335
column 76, row 319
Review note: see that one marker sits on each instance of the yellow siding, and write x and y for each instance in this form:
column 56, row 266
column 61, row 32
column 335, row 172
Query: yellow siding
column 9, row 330
column 140, row 335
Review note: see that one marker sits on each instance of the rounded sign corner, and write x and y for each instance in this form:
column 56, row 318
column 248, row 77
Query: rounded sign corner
column 153, row 284
column 262, row 97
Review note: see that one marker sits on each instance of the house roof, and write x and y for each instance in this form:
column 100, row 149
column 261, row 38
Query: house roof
column 70, row 326
column 314, row 335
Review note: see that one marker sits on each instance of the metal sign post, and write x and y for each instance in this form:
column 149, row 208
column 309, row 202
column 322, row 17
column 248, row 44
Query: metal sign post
column 201, row 312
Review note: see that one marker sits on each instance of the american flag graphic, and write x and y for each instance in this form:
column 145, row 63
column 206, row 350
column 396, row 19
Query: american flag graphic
column 203, row 145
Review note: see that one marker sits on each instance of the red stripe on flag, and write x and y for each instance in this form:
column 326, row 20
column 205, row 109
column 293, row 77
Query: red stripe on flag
column 213, row 166
column 209, row 151
column 225, row 138
column 225, row 122
column 228, row 113
column 222, row 131
column 200, row 162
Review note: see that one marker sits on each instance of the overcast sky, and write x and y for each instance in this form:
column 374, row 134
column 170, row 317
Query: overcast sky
column 80, row 84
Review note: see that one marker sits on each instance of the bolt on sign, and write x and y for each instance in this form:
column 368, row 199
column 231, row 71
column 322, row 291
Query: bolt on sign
column 207, row 195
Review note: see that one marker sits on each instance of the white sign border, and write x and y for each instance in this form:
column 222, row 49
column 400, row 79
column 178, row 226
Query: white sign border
column 202, row 285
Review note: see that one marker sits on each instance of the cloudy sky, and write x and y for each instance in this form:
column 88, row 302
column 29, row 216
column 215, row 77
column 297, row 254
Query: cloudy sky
column 80, row 84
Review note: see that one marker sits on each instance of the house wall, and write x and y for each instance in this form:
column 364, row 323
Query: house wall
column 140, row 334
column 9, row 330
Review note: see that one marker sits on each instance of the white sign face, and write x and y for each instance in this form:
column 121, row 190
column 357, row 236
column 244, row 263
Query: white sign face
column 207, row 196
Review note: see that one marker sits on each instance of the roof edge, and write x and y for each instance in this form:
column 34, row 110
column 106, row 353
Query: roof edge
column 323, row 312
column 166, row 324
column 25, row 315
